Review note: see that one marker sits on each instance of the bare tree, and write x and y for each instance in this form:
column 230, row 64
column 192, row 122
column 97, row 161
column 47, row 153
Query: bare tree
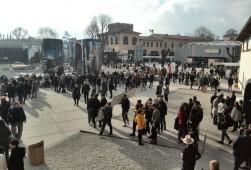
column 66, row 36
column 231, row 31
column 47, row 32
column 98, row 26
column 92, row 30
column 19, row 33
column 204, row 34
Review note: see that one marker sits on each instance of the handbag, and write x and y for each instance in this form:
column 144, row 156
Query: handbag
column 176, row 123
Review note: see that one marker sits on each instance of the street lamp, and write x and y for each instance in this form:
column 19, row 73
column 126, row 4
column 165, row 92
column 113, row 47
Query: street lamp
column 164, row 53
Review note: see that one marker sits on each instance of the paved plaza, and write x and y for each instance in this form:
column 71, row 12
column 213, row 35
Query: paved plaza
column 52, row 117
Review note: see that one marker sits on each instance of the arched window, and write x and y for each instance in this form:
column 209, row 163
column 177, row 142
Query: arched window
column 116, row 40
column 134, row 41
column 106, row 41
column 111, row 40
column 125, row 40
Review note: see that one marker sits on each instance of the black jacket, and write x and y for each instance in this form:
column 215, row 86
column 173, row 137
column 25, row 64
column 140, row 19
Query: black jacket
column 103, row 102
column 86, row 88
column 16, row 159
column 242, row 147
column 107, row 113
column 4, row 107
column 125, row 104
column 76, row 93
column 16, row 115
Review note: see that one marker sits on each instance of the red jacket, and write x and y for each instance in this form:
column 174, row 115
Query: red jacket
column 183, row 117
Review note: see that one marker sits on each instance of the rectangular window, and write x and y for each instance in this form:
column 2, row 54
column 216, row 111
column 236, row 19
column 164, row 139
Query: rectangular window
column 165, row 44
column 147, row 44
column 151, row 44
column 157, row 44
column 160, row 44
column 172, row 44
column 144, row 43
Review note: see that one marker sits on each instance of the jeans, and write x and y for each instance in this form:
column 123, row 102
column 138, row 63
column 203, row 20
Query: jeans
column 11, row 99
column 76, row 100
column 140, row 133
column 125, row 116
column 143, row 86
column 86, row 96
column 223, row 134
column 17, row 134
column 166, row 97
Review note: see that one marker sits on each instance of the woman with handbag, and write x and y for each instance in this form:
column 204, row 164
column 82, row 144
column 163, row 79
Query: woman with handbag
column 141, row 125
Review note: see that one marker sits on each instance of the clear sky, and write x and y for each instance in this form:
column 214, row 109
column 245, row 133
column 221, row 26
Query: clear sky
column 164, row 16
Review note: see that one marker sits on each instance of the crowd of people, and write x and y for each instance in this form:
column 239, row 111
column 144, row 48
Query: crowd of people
column 149, row 116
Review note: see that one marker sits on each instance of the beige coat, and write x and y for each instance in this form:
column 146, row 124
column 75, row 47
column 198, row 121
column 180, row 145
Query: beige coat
column 236, row 114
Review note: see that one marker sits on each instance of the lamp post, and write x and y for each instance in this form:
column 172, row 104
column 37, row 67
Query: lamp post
column 164, row 53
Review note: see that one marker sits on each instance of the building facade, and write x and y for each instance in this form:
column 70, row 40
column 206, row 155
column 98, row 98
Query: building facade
column 208, row 52
column 121, row 38
column 245, row 65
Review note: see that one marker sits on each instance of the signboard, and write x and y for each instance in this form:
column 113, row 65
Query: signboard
column 212, row 51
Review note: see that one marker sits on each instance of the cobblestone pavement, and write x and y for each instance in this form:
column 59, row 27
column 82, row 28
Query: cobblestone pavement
column 53, row 118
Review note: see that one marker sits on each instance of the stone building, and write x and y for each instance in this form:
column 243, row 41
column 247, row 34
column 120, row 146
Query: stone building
column 121, row 38
column 245, row 65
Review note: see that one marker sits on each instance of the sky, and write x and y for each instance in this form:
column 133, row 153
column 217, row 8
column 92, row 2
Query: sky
column 163, row 16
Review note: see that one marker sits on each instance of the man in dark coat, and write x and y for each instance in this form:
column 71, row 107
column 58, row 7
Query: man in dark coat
column 111, row 87
column 125, row 104
column 94, row 105
column 11, row 92
column 242, row 149
column 16, row 117
column 107, row 118
column 85, row 90
column 16, row 158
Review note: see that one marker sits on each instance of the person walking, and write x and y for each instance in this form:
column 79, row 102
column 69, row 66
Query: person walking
column 159, row 90
column 107, row 118
column 223, row 126
column 242, row 150
column 125, row 104
column 230, row 83
column 34, row 89
column 4, row 107
column 94, row 107
column 111, row 88
column 85, row 90
column 11, row 92
column 16, row 161
column 4, row 138
column 76, row 94
column 140, row 121
column 16, row 117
